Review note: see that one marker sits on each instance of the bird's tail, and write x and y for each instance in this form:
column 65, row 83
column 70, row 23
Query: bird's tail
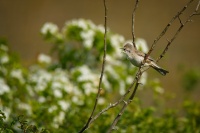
column 159, row 69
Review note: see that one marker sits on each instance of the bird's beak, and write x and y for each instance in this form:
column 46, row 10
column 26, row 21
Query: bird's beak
column 122, row 48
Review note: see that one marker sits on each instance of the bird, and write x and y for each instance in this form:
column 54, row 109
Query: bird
column 136, row 58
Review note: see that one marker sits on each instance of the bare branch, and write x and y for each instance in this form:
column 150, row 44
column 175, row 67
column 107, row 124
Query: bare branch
column 112, row 127
column 116, row 103
column 126, row 103
column 133, row 21
column 139, row 73
column 178, row 31
column 102, row 70
column 166, row 28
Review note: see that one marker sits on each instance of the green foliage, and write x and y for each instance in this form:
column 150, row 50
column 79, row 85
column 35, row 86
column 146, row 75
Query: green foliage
column 59, row 94
column 191, row 79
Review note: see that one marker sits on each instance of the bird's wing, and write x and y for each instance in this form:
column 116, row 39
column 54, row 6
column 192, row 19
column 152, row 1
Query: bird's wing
column 143, row 54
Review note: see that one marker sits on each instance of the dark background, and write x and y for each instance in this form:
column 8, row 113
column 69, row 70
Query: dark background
column 21, row 20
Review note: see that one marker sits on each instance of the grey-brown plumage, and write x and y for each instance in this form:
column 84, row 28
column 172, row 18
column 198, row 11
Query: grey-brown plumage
column 136, row 57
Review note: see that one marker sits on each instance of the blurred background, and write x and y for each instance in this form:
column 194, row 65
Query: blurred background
column 21, row 21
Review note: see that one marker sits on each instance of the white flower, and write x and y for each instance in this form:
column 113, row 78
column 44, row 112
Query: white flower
column 76, row 91
column 86, row 74
column 129, row 79
column 122, row 88
column 64, row 105
column 116, row 40
column 80, row 23
column 68, row 88
column 41, row 99
column 56, row 85
column 17, row 73
column 57, row 93
column 143, row 78
column 112, row 72
column 4, row 88
column 101, row 28
column 101, row 101
column 89, row 88
column 40, row 77
column 7, row 112
column 26, row 107
column 88, row 38
column 59, row 119
column 106, row 83
column 91, row 24
column 141, row 44
column 3, row 47
column 159, row 90
column 52, row 108
column 43, row 58
column 49, row 27
column 75, row 99
column 4, row 59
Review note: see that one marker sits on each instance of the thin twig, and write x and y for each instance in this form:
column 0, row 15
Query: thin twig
column 102, row 71
column 178, row 31
column 133, row 22
column 112, row 127
column 166, row 28
column 116, row 103
column 126, row 103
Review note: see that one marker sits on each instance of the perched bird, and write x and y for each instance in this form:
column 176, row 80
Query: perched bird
column 136, row 58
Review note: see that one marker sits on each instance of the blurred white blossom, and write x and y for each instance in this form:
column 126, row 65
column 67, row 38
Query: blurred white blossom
column 117, row 41
column 101, row 28
column 64, row 105
column 3, row 47
column 40, row 77
column 41, row 99
column 57, row 93
column 159, row 90
column 121, row 88
column 59, row 119
column 49, row 28
column 4, row 88
column 52, row 108
column 88, row 38
column 86, row 74
column 143, row 78
column 4, row 59
column 129, row 79
column 77, row 22
column 17, row 73
column 101, row 101
column 89, row 88
column 43, row 58
column 26, row 107
column 141, row 44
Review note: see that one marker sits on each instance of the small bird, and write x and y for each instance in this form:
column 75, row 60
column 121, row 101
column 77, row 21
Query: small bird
column 136, row 58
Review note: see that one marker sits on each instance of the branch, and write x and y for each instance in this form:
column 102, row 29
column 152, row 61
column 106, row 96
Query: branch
column 116, row 103
column 112, row 127
column 102, row 71
column 126, row 103
column 133, row 21
column 166, row 28
column 178, row 31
